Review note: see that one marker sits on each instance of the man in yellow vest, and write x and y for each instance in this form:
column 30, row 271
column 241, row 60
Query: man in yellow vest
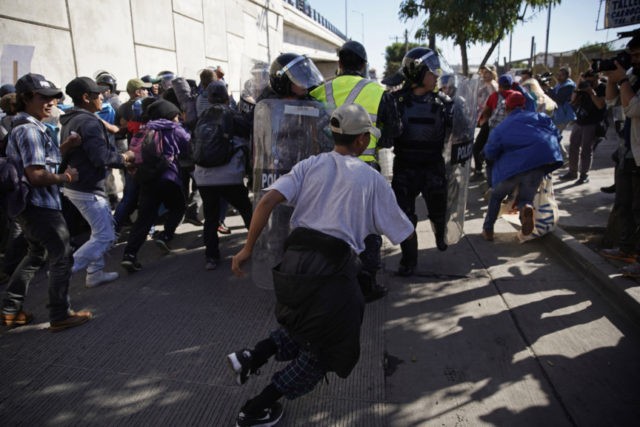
column 352, row 86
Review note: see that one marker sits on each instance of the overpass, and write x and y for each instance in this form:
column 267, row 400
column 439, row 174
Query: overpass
column 63, row 39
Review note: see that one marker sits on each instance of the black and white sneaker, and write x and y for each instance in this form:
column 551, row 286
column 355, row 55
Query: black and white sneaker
column 266, row 418
column 240, row 364
column 130, row 263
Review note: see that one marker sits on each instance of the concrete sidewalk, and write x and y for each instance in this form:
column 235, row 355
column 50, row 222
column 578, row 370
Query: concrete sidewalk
column 584, row 209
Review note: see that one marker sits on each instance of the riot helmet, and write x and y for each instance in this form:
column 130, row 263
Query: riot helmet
column 105, row 78
column 355, row 48
column 418, row 61
column 165, row 79
column 293, row 68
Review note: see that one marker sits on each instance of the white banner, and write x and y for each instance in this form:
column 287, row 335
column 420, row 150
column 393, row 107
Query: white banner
column 620, row 13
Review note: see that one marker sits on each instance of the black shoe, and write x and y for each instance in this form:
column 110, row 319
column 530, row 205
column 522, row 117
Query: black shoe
column 609, row 190
column 240, row 364
column 162, row 241
column 440, row 232
column 375, row 293
column 583, row 179
column 130, row 263
column 193, row 220
column 404, row 271
column 267, row 417
column 568, row 176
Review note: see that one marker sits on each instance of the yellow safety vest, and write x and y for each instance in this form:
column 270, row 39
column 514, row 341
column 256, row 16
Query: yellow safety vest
column 354, row 90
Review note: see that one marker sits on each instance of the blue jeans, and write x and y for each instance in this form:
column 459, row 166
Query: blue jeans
column 48, row 239
column 527, row 183
column 97, row 212
column 129, row 201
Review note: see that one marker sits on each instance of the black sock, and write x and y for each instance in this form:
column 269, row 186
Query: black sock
column 262, row 352
column 264, row 400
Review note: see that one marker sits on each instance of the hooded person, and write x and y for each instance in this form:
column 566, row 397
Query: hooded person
column 220, row 179
column 166, row 190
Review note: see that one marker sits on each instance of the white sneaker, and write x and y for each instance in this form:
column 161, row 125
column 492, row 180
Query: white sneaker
column 99, row 277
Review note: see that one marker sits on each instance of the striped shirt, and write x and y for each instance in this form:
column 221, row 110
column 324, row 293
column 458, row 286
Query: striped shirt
column 31, row 145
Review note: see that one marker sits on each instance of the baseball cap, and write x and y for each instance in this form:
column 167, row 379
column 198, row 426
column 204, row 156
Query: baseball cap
column 5, row 89
column 352, row 119
column 37, row 83
column 135, row 84
column 515, row 100
column 81, row 85
column 505, row 80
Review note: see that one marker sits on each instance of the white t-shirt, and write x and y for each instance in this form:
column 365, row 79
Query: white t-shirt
column 343, row 197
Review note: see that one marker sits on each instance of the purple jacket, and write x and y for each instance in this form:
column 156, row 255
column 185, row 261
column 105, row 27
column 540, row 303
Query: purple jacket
column 176, row 141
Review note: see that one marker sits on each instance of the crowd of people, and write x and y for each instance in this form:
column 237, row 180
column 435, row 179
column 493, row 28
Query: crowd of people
column 181, row 145
column 517, row 160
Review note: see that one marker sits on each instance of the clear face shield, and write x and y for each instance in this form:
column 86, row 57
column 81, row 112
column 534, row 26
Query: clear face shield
column 259, row 79
column 165, row 80
column 303, row 72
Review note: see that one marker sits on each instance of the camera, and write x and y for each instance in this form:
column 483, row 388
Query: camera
column 623, row 58
column 544, row 78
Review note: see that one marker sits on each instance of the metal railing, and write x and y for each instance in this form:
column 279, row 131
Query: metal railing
column 304, row 7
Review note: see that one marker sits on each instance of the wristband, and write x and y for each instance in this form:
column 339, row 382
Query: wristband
column 626, row 79
column 68, row 175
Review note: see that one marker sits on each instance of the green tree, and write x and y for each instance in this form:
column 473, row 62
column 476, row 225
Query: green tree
column 393, row 56
column 468, row 22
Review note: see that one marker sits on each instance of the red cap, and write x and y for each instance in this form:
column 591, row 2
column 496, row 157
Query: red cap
column 515, row 100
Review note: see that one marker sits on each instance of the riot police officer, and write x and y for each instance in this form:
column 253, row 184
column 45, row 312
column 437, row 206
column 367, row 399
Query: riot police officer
column 287, row 126
column 352, row 86
column 419, row 166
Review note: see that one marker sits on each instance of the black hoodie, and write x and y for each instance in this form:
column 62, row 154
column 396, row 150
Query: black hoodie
column 94, row 156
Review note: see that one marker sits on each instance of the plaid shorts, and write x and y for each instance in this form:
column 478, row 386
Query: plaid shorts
column 304, row 371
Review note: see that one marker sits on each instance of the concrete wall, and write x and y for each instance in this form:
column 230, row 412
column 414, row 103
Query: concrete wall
column 64, row 39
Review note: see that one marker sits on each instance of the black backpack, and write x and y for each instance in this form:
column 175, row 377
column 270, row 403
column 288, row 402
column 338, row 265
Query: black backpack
column 211, row 143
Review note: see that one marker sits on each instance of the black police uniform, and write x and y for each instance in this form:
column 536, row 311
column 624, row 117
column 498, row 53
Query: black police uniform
column 419, row 166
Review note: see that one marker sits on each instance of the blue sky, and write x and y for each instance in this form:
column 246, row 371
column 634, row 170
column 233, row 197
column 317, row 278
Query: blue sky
column 573, row 24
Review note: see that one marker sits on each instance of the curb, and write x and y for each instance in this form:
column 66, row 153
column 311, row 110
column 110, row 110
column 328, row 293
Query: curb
column 607, row 280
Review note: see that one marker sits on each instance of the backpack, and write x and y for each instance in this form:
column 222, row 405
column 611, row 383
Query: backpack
column 147, row 146
column 14, row 186
column 211, row 144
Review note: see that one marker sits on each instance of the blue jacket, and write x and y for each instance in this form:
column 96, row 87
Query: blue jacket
column 523, row 141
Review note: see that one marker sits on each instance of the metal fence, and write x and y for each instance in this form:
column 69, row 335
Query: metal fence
column 304, row 7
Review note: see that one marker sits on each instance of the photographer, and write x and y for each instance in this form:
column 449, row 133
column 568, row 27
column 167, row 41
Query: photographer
column 589, row 105
column 622, row 88
column 562, row 95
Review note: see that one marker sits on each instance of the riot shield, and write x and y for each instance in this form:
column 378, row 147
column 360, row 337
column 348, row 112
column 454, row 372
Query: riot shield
column 458, row 152
column 284, row 133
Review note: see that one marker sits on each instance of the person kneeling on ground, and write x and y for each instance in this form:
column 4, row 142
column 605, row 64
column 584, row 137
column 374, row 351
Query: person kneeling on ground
column 523, row 147
column 319, row 302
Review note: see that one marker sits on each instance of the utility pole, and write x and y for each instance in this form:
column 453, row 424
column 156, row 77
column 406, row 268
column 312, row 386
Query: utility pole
column 546, row 44
column 406, row 40
column 510, row 44
column 346, row 25
column 533, row 49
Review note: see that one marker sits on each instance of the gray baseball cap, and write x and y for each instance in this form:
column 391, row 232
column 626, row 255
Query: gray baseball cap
column 352, row 119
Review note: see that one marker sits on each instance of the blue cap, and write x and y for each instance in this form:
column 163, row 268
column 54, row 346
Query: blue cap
column 505, row 80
